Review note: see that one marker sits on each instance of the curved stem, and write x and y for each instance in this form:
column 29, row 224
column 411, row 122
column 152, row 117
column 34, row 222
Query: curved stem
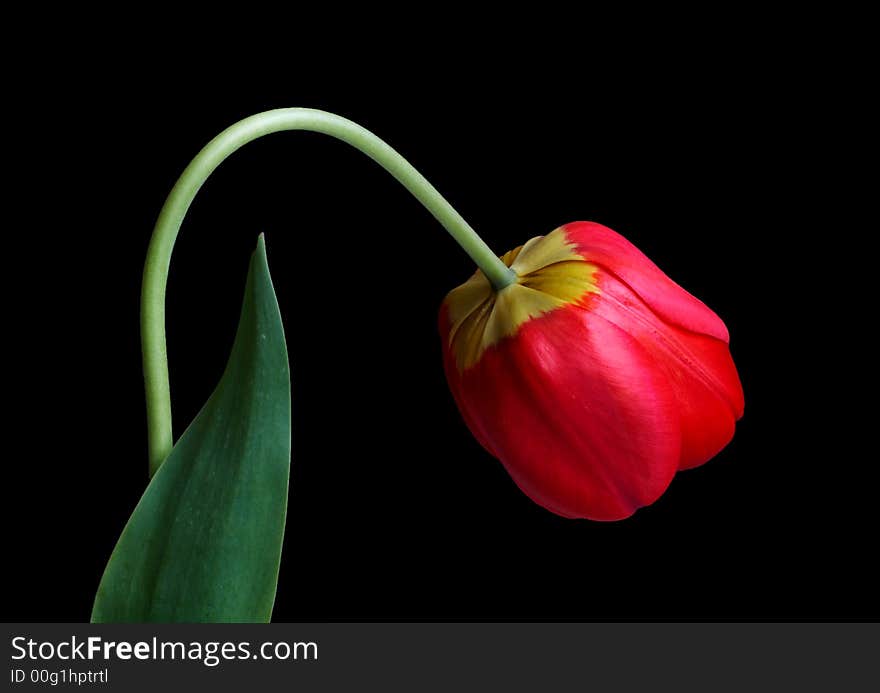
column 184, row 191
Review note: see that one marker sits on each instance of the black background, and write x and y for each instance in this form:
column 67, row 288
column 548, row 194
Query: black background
column 396, row 513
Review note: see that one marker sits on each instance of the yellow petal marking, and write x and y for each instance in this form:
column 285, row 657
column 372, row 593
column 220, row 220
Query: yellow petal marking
column 550, row 274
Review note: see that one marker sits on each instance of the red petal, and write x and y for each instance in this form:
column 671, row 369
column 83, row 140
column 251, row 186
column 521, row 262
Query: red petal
column 577, row 411
column 451, row 368
column 602, row 246
column 699, row 368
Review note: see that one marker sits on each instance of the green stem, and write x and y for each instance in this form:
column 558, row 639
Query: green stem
column 184, row 191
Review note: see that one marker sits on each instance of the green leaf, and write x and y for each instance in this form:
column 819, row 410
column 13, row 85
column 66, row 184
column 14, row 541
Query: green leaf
column 204, row 542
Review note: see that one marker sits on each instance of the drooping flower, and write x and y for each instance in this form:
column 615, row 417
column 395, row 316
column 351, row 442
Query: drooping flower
column 593, row 377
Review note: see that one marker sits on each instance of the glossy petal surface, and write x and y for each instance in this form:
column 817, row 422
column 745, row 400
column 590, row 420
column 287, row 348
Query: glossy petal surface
column 595, row 377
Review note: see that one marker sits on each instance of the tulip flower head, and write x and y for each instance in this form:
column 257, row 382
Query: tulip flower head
column 593, row 377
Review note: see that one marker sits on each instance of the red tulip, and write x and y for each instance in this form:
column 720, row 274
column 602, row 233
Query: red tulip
column 594, row 377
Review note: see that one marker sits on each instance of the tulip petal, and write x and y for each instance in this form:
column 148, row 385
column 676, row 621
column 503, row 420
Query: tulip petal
column 699, row 368
column 600, row 245
column 577, row 411
column 707, row 418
